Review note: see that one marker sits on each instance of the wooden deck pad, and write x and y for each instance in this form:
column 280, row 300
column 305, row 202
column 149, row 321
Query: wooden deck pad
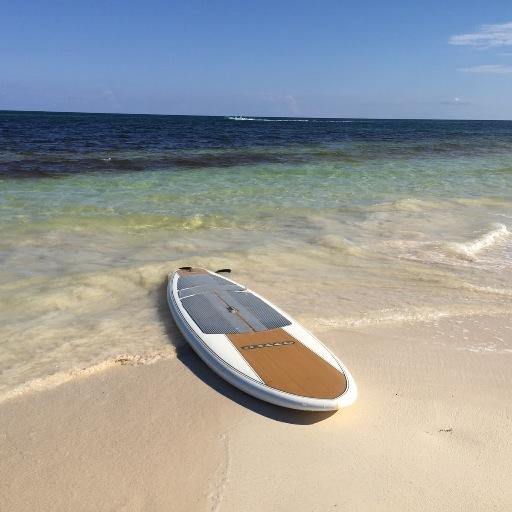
column 284, row 363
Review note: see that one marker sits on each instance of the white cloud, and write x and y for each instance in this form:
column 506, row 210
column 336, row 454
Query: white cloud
column 487, row 37
column 489, row 69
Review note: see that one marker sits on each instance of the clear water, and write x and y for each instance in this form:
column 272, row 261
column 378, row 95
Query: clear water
column 341, row 222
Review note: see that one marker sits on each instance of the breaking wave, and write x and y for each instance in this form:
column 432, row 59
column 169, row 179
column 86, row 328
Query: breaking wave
column 469, row 250
column 487, row 251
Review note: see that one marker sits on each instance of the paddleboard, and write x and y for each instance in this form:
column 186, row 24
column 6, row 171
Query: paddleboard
column 254, row 345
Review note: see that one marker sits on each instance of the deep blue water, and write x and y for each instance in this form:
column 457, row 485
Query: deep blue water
column 36, row 144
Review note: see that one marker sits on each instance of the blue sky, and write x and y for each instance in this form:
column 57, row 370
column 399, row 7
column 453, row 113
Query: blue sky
column 444, row 59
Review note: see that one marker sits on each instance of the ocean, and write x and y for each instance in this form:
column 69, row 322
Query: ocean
column 344, row 223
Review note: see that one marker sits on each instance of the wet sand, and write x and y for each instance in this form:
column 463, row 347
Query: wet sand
column 430, row 431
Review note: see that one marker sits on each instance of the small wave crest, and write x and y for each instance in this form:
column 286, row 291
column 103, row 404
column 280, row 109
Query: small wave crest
column 337, row 243
column 385, row 316
column 409, row 204
column 395, row 316
column 488, row 290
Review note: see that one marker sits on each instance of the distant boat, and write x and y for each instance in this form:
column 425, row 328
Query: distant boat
column 241, row 118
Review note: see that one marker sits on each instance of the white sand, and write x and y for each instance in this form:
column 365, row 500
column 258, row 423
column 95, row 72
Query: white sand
column 431, row 431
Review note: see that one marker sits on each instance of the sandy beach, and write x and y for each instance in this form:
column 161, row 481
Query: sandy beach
column 430, row 431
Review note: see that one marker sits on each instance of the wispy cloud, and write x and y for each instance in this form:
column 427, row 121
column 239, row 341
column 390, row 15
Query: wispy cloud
column 456, row 101
column 292, row 103
column 489, row 36
column 489, row 69
column 287, row 100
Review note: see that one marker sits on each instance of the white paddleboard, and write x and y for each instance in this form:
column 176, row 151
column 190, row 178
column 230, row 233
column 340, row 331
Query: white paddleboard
column 254, row 345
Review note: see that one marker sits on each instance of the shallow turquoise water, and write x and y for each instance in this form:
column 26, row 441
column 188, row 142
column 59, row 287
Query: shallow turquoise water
column 359, row 222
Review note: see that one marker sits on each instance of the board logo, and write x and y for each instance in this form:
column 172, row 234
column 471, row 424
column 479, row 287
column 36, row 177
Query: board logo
column 268, row 345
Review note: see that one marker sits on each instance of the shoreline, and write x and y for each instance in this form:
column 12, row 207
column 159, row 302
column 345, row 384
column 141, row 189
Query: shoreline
column 430, row 429
column 177, row 343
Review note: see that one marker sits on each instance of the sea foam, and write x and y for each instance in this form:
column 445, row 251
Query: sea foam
column 292, row 120
column 56, row 379
column 469, row 250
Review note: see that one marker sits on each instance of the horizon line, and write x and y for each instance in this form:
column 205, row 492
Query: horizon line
column 249, row 115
